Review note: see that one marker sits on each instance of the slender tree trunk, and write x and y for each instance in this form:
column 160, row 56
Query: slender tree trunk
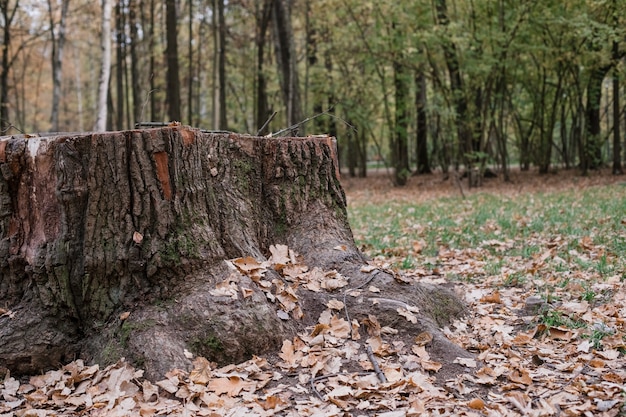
column 263, row 16
column 421, row 148
column 617, row 143
column 223, row 120
column 173, row 77
column 119, row 66
column 400, row 146
column 105, row 66
column 457, row 88
column 58, row 45
column 7, row 17
column 219, row 66
column 135, row 83
column 190, row 75
column 592, row 150
column 286, row 60
column 151, row 34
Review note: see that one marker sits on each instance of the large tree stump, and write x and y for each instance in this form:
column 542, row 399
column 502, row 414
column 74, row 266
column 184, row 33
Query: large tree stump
column 95, row 225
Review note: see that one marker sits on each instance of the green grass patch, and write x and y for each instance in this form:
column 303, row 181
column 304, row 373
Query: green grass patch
column 577, row 230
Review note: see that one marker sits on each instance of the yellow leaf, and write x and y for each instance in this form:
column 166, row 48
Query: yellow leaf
column 124, row 315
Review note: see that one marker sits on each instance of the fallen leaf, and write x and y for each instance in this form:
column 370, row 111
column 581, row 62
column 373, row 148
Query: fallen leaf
column 407, row 314
column 520, row 376
column 494, row 298
column 231, row 386
column 335, row 304
column 469, row 362
column 476, row 404
column 423, row 338
column 201, row 372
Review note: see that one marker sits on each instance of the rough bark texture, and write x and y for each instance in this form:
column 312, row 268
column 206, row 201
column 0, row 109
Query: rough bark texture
column 94, row 225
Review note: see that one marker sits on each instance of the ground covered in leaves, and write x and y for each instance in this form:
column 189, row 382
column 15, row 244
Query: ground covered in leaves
column 540, row 263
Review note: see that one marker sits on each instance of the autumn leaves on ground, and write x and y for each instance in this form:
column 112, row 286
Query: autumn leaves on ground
column 539, row 263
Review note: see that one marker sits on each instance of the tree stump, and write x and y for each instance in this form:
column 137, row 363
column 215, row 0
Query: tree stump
column 112, row 245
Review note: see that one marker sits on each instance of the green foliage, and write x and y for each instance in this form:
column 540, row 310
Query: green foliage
column 524, row 68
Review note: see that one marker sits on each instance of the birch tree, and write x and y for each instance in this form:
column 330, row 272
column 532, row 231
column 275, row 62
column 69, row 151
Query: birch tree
column 105, row 67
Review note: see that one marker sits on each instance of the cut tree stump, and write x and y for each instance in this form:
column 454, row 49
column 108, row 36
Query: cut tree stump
column 116, row 245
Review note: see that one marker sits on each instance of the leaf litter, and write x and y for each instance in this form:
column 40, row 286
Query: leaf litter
column 554, row 354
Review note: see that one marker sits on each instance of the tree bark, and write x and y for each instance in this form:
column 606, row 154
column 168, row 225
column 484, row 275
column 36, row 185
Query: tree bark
column 263, row 14
column 457, row 90
column 286, row 61
column 400, row 144
column 421, row 147
column 7, row 18
column 105, row 67
column 617, row 143
column 142, row 221
column 58, row 45
column 173, row 77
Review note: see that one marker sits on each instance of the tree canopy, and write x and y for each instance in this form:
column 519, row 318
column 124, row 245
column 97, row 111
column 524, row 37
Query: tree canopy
column 417, row 84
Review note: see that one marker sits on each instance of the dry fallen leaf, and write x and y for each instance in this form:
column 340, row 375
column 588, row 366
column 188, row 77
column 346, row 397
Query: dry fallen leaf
column 476, row 404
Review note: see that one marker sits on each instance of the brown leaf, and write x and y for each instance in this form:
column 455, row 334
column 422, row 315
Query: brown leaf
column 230, row 386
column 494, row 298
column 476, row 404
column 520, row 376
column 423, row 338
column 201, row 372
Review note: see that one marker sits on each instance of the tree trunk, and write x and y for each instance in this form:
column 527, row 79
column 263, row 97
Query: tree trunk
column 457, row 89
column 263, row 14
column 135, row 39
column 421, row 148
column 105, row 67
column 286, row 61
column 219, row 66
column 7, row 20
column 617, row 144
column 95, row 225
column 58, row 44
column 173, row 78
column 400, row 143
column 119, row 64
column 592, row 150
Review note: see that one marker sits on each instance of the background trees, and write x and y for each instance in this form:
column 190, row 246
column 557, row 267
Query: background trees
column 415, row 84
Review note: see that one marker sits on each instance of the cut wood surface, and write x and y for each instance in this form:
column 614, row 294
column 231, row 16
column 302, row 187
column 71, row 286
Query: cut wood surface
column 125, row 244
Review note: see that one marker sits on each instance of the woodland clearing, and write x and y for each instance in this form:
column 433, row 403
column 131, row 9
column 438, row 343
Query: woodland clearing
column 538, row 261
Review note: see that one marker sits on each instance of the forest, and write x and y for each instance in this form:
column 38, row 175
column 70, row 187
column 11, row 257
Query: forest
column 413, row 85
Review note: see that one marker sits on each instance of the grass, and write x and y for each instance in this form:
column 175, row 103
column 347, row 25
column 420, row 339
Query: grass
column 558, row 246
column 584, row 226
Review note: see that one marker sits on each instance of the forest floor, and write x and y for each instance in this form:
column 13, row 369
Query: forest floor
column 539, row 261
